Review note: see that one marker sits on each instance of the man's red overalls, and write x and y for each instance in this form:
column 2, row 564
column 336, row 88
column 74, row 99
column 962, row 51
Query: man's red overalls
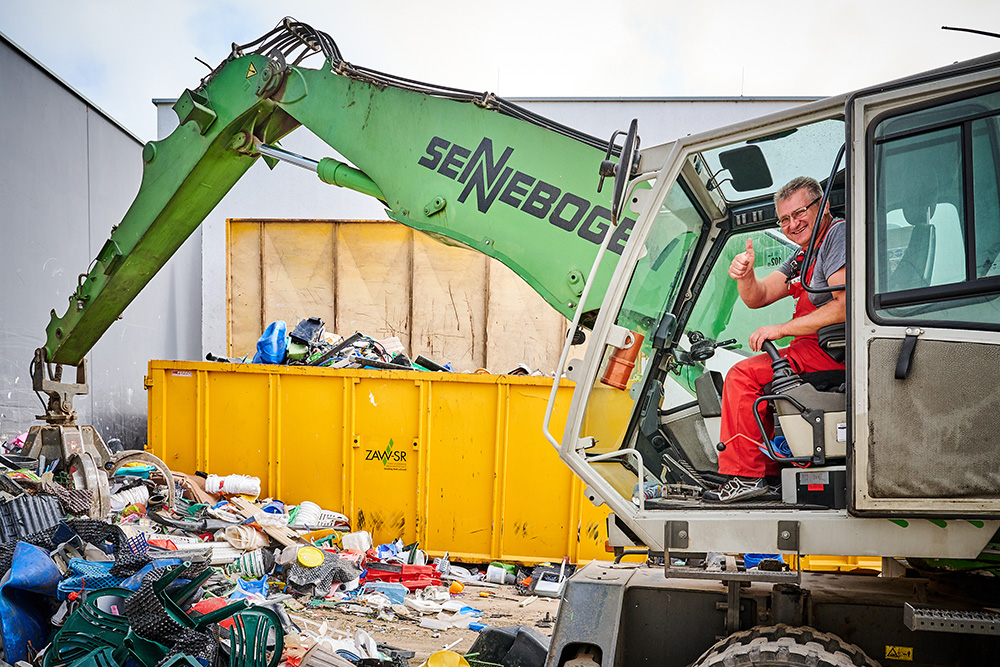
column 744, row 384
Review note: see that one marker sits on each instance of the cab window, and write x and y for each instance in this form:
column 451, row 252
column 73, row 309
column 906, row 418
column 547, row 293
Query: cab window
column 936, row 214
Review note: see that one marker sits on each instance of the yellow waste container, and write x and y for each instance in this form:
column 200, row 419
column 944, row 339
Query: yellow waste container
column 456, row 461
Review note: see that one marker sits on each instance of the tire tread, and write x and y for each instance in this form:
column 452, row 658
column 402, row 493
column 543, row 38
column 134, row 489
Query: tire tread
column 783, row 644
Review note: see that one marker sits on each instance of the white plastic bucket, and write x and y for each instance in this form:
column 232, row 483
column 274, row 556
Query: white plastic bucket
column 359, row 541
column 496, row 574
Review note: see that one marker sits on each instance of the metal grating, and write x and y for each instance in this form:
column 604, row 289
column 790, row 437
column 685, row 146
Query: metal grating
column 951, row 620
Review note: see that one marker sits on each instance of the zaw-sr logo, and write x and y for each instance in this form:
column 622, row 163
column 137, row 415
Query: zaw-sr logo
column 391, row 459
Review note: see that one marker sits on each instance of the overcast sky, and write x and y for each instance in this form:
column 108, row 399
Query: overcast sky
column 121, row 54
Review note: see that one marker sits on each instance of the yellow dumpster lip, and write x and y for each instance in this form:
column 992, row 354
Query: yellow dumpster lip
column 366, row 373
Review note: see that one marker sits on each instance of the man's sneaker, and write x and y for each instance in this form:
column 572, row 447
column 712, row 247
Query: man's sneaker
column 738, row 488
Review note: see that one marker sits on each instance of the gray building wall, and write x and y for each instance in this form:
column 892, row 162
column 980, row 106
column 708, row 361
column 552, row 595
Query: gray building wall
column 68, row 173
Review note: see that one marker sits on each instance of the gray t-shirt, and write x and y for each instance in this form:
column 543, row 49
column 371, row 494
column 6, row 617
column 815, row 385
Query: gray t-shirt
column 832, row 257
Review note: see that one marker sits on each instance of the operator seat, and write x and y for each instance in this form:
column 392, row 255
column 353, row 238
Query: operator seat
column 833, row 341
column 819, row 391
column 811, row 408
column 917, row 241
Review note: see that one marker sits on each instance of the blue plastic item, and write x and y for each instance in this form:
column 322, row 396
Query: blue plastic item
column 87, row 575
column 245, row 588
column 133, row 582
column 274, row 507
column 652, row 489
column 142, row 472
column 24, row 611
column 753, row 560
column 388, row 550
column 477, row 627
column 781, row 449
column 272, row 346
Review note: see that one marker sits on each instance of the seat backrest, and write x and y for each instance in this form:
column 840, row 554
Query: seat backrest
column 89, row 628
column 917, row 238
column 915, row 265
column 256, row 638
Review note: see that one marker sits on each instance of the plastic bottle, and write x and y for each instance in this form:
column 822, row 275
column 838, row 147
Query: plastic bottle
column 651, row 489
column 495, row 574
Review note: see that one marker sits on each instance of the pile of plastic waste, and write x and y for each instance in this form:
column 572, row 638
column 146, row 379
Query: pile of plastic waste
column 211, row 574
column 309, row 344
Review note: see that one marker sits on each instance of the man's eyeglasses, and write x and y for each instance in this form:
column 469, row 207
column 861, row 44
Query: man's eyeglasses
column 797, row 213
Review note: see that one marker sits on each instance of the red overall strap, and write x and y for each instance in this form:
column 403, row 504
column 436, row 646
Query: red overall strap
column 804, row 305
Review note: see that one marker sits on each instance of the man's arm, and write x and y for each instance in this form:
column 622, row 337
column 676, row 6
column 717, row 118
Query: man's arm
column 756, row 293
column 830, row 312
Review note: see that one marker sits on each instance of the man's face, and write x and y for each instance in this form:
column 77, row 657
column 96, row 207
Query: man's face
column 797, row 215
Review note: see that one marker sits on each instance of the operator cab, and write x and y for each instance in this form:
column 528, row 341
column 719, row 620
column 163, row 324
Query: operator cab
column 722, row 197
column 681, row 322
column 905, row 447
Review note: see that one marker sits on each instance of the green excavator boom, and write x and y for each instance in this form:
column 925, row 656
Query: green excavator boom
column 467, row 168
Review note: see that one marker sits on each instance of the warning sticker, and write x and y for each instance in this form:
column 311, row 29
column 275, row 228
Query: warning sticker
column 251, row 71
column 899, row 653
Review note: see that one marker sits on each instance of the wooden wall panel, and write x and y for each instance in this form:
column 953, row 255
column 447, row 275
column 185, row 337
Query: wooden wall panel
column 521, row 327
column 449, row 303
column 374, row 265
column 299, row 268
column 245, row 321
column 382, row 279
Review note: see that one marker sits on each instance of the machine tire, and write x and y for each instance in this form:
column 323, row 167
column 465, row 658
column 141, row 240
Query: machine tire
column 783, row 645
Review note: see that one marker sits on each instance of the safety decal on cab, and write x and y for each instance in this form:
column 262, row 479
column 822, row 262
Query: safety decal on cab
column 899, row 653
column 251, row 70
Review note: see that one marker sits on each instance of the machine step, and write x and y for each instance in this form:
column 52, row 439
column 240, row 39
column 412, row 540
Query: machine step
column 951, row 620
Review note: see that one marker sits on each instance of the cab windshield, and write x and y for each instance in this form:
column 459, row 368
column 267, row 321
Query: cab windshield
column 784, row 155
column 722, row 198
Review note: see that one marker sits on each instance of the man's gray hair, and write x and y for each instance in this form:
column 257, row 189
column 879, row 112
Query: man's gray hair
column 796, row 184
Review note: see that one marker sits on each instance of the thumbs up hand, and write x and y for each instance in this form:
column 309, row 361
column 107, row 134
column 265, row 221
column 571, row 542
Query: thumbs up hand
column 742, row 266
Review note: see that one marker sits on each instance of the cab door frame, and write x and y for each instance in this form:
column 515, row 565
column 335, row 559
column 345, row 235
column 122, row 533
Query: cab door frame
column 930, row 440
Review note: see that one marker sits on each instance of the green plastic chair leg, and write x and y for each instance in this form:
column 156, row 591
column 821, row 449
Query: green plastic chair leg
column 145, row 651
